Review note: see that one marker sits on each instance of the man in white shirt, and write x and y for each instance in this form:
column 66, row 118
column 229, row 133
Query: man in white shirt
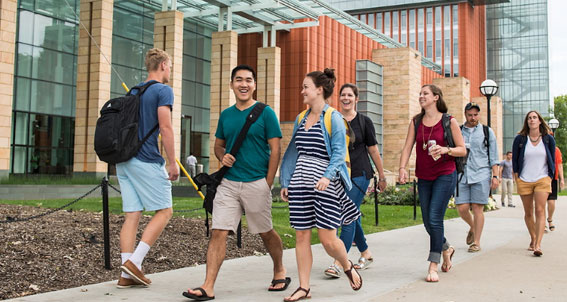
column 191, row 164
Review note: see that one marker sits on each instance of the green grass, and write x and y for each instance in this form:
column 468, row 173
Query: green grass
column 390, row 217
column 51, row 180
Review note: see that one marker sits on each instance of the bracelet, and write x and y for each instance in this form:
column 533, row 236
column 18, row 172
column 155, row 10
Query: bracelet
column 402, row 168
column 382, row 179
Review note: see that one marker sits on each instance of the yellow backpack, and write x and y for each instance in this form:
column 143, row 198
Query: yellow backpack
column 327, row 120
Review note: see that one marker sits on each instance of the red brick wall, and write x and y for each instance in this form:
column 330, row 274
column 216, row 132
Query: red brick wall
column 330, row 44
column 472, row 45
column 427, row 75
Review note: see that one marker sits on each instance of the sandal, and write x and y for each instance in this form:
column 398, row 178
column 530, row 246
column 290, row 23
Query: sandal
column 551, row 226
column 538, row 253
column 334, row 271
column 474, row 248
column 275, row 282
column 307, row 296
column 351, row 279
column 203, row 297
column 363, row 263
column 446, row 268
column 470, row 237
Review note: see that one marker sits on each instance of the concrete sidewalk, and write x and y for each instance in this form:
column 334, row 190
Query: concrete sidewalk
column 503, row 271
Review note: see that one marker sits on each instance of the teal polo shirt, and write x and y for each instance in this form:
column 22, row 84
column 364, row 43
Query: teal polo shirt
column 254, row 155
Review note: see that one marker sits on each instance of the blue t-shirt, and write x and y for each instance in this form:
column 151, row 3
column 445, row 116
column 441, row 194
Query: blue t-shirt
column 155, row 96
column 254, row 155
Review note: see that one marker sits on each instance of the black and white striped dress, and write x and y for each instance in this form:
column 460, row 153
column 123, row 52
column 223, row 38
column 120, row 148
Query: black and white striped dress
column 310, row 208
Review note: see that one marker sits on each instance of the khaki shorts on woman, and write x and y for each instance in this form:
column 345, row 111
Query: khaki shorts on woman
column 528, row 188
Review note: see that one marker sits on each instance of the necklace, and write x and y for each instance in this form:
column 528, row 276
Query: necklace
column 423, row 134
column 534, row 141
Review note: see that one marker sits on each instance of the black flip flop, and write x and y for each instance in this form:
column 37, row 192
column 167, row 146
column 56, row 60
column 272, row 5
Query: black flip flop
column 286, row 282
column 203, row 297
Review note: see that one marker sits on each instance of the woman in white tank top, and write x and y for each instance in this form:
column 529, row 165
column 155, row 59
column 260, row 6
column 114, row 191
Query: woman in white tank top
column 533, row 159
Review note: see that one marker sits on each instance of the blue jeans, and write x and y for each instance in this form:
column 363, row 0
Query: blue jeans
column 353, row 232
column 434, row 196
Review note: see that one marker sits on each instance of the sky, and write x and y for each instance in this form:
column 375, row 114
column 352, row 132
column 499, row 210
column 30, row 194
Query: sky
column 557, row 47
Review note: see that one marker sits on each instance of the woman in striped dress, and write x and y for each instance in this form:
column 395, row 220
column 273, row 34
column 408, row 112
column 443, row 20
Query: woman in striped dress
column 314, row 176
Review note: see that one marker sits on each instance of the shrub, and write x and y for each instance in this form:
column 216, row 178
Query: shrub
column 393, row 195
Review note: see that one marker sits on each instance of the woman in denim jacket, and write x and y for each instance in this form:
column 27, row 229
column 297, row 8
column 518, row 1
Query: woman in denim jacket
column 313, row 177
column 534, row 168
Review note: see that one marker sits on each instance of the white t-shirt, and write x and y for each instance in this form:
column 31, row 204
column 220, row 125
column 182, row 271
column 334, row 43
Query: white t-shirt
column 535, row 162
column 191, row 160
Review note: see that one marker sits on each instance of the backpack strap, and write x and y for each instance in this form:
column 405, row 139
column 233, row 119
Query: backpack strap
column 487, row 142
column 301, row 116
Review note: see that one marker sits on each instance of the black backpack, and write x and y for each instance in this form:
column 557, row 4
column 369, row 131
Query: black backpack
column 116, row 132
column 460, row 162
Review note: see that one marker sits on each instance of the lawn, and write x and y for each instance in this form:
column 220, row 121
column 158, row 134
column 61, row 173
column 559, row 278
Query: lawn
column 390, row 217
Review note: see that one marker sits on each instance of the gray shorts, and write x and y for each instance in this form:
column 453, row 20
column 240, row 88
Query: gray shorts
column 234, row 197
column 474, row 193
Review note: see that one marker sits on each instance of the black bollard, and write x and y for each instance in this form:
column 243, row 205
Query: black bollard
column 106, row 223
column 414, row 200
column 376, row 219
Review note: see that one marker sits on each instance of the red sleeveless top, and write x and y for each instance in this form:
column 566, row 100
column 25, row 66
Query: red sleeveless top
column 425, row 167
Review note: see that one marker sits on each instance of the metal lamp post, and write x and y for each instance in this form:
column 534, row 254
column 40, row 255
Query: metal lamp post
column 553, row 124
column 488, row 88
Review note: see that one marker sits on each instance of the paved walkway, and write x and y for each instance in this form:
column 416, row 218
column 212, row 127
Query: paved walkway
column 503, row 271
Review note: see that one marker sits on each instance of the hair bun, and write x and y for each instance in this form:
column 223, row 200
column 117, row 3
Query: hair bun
column 330, row 73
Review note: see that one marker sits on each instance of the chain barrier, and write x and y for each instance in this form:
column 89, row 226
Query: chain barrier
column 9, row 220
column 114, row 188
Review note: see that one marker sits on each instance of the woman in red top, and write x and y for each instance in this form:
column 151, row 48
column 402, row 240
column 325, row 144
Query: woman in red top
column 435, row 170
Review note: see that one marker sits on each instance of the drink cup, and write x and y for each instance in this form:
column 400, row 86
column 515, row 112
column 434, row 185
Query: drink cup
column 430, row 144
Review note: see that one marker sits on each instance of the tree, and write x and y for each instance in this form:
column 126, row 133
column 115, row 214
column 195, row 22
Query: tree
column 560, row 112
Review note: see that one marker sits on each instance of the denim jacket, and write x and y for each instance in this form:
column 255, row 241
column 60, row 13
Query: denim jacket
column 336, row 148
column 519, row 147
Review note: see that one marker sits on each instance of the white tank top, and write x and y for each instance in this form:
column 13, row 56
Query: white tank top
column 535, row 162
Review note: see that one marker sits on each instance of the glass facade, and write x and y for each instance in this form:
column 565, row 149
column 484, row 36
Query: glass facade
column 517, row 46
column 43, row 120
column 435, row 30
column 45, row 75
column 196, row 93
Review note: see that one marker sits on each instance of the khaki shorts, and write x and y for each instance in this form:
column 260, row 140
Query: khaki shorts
column 528, row 188
column 234, row 197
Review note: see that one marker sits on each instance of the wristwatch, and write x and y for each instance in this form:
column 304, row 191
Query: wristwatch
column 495, row 176
column 449, row 151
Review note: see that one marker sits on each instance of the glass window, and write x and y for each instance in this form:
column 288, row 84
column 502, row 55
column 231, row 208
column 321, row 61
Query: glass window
column 53, row 66
column 412, row 29
column 57, row 8
column 438, row 28
column 455, row 41
column 420, row 30
column 24, row 60
column 371, row 20
column 25, row 27
column 387, row 29
column 23, row 94
column 403, row 26
column 127, row 52
column 379, row 22
column 429, row 33
column 395, row 26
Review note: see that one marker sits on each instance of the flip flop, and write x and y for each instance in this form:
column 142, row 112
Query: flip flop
column 551, row 226
column 470, row 237
column 444, row 268
column 474, row 248
column 538, row 253
column 203, row 297
column 285, row 281
column 306, row 291
column 350, row 277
